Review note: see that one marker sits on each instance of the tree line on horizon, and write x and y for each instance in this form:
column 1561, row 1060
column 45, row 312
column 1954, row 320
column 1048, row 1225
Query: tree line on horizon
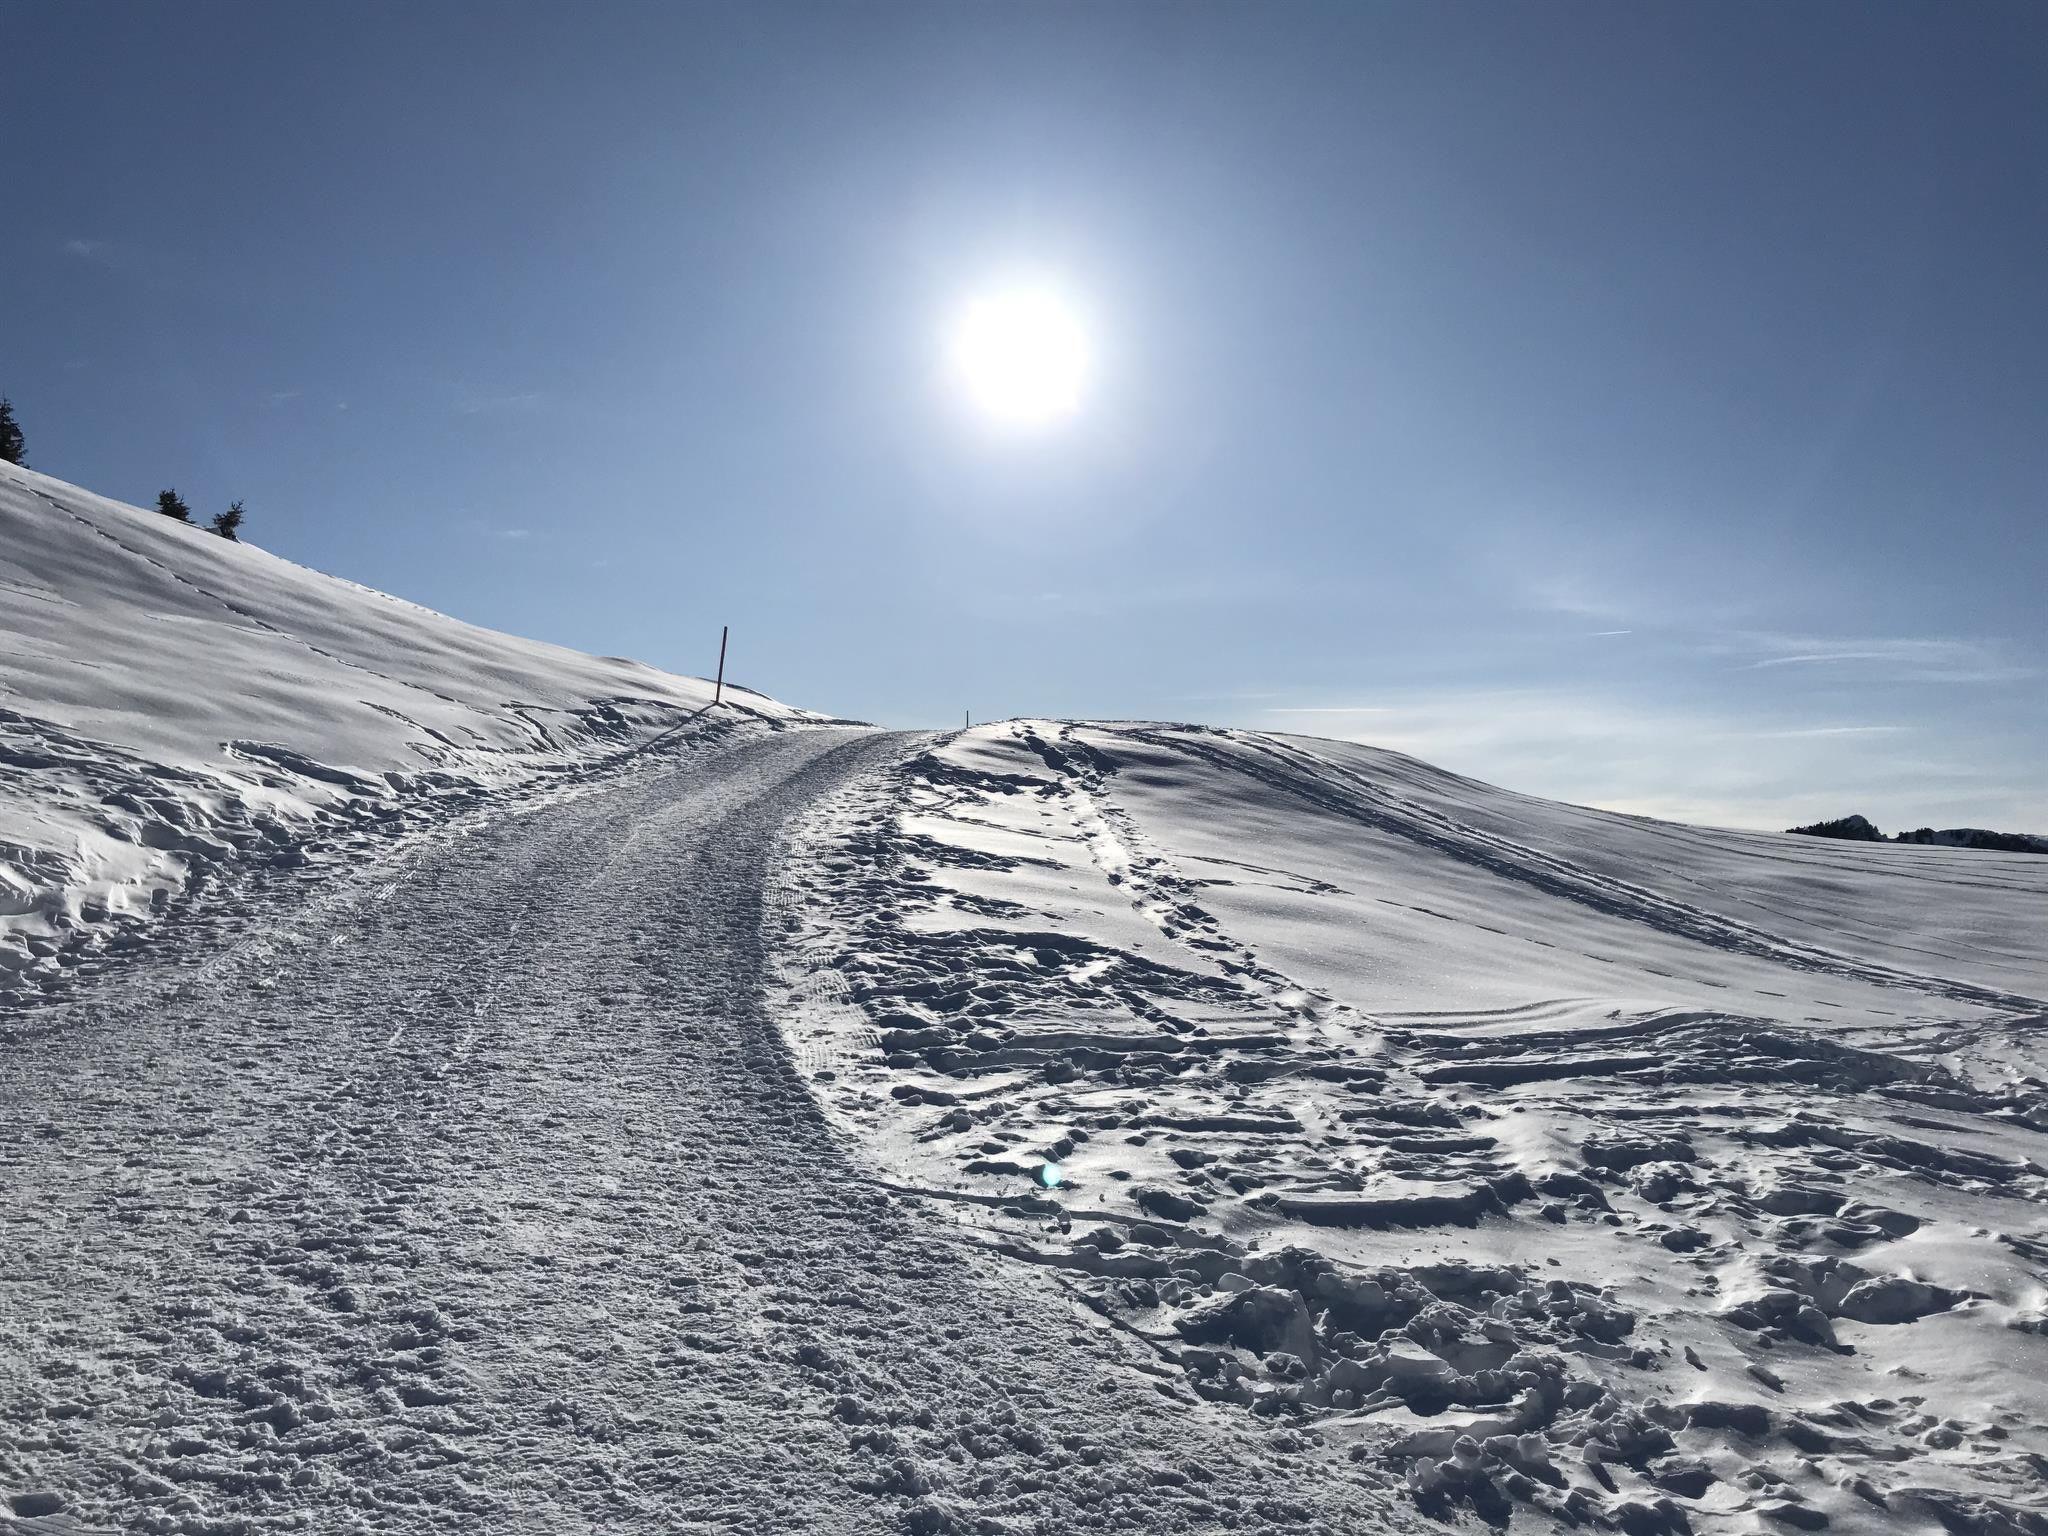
column 1860, row 829
column 14, row 450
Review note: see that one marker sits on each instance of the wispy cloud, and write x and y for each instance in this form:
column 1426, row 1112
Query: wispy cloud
column 509, row 533
column 99, row 252
column 1259, row 696
column 472, row 403
column 1327, row 709
column 1799, row 732
column 1690, row 762
column 1906, row 658
column 1551, row 592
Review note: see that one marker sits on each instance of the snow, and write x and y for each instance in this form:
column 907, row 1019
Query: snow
column 484, row 1200
column 1695, row 1176
column 174, row 703
column 456, row 1083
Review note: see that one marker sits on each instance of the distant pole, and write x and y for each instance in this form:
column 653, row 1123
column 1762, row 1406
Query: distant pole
column 967, row 719
column 718, row 688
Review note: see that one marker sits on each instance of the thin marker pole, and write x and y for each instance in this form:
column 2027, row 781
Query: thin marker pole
column 718, row 688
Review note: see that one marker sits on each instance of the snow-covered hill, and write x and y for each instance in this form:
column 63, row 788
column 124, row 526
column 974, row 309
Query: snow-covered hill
column 172, row 703
column 1658, row 1175
column 1419, row 1139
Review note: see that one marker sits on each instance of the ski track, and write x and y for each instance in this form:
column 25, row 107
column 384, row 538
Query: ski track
column 488, row 1200
column 1328, row 786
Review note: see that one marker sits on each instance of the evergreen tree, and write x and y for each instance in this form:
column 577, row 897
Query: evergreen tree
column 12, row 446
column 1855, row 829
column 171, row 504
column 225, row 523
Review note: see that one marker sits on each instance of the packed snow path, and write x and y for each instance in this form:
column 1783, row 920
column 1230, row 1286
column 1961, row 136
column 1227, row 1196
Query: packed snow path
column 496, row 1207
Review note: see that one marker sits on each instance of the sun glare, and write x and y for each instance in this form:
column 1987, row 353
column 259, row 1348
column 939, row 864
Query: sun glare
column 1022, row 356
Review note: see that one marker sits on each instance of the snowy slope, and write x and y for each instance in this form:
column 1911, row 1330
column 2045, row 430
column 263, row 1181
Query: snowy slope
column 172, row 703
column 1681, row 1176
column 484, row 1204
column 1418, row 1138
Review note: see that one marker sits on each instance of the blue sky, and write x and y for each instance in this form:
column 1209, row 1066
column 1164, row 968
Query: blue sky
column 1643, row 405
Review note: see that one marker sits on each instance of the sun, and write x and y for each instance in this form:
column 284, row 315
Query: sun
column 1021, row 354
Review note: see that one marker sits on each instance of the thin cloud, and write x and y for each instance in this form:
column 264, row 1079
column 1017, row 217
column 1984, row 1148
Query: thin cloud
column 468, row 403
column 1329, row 709
column 1572, row 595
column 1836, row 730
column 95, row 251
column 1826, row 658
column 510, row 533
column 1689, row 762
column 1906, row 658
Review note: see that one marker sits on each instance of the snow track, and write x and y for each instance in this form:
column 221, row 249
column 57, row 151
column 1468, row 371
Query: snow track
column 1561, row 1178
column 494, row 1204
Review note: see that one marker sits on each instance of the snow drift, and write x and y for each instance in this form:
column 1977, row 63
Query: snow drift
column 172, row 702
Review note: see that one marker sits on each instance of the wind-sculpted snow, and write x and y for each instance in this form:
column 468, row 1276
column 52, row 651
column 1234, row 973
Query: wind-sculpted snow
column 1553, row 1162
column 176, row 708
column 484, row 1199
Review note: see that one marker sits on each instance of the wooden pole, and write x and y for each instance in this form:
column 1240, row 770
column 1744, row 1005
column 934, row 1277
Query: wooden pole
column 718, row 688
